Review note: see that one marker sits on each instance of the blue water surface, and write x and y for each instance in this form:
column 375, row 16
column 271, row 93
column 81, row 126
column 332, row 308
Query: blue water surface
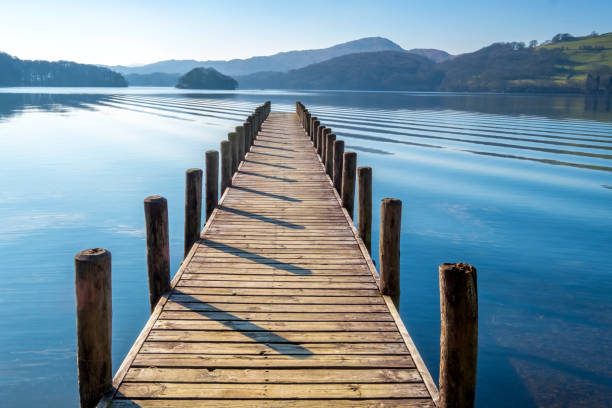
column 518, row 185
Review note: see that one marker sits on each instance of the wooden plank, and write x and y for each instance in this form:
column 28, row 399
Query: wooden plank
column 276, row 376
column 204, row 360
column 304, row 350
column 272, row 403
column 295, row 391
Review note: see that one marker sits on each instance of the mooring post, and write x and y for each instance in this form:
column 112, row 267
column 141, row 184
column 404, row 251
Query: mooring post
column 212, row 181
column 246, row 129
column 324, row 148
column 349, row 167
column 313, row 124
column 315, row 132
column 319, row 138
column 158, row 247
column 326, row 132
column 193, row 208
column 241, row 148
column 307, row 129
column 233, row 138
column 337, row 170
column 458, row 335
column 329, row 155
column 94, row 324
column 364, row 207
column 226, row 165
column 389, row 248
column 251, row 120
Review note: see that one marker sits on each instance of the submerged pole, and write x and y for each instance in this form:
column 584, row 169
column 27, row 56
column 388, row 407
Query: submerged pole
column 349, row 166
column 158, row 247
column 458, row 335
column 389, row 248
column 94, row 324
column 193, row 208
column 337, row 170
column 212, row 181
column 364, row 207
column 226, row 165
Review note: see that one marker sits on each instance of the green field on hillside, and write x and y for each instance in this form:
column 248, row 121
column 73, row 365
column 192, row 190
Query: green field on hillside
column 587, row 55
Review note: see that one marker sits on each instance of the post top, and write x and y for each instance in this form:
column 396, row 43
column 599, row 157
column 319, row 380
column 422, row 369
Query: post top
column 213, row 152
column 458, row 267
column 391, row 201
column 154, row 199
column 193, row 170
column 92, row 255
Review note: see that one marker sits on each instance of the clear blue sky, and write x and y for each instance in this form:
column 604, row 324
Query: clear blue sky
column 130, row 31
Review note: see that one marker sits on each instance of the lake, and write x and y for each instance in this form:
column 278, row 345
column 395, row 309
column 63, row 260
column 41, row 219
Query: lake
column 520, row 186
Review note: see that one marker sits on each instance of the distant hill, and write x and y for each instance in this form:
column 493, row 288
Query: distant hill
column 17, row 72
column 154, row 79
column 383, row 70
column 591, row 54
column 283, row 61
column 561, row 66
column 432, row 54
column 206, row 78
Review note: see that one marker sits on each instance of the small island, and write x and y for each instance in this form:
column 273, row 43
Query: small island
column 206, row 78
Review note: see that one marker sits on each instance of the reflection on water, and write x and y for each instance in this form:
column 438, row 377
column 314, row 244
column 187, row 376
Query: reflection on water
column 518, row 185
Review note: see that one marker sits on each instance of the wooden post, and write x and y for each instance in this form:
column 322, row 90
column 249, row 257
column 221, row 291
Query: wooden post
column 313, row 124
column 319, row 137
column 212, row 181
column 349, row 164
column 315, row 132
column 241, row 148
column 389, row 248
column 329, row 155
column 324, row 147
column 246, row 127
column 158, row 247
column 226, row 165
column 94, row 312
column 337, row 170
column 193, row 208
column 364, row 208
column 459, row 335
column 307, row 129
column 251, row 121
column 233, row 138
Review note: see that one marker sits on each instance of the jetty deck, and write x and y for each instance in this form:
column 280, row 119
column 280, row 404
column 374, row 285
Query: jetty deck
column 277, row 304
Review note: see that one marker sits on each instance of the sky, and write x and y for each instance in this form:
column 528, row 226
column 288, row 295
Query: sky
column 136, row 32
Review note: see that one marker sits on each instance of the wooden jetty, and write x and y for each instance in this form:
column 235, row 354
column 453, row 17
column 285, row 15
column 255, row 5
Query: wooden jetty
column 278, row 303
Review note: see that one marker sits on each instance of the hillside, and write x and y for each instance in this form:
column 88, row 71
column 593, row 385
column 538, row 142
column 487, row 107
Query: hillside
column 154, row 79
column 206, row 78
column 587, row 55
column 432, row 54
column 384, row 70
column 282, row 61
column 560, row 66
column 17, row 72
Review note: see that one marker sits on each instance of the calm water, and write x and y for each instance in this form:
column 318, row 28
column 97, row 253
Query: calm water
column 519, row 186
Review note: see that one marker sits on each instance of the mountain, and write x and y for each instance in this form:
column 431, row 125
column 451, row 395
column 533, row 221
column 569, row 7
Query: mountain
column 560, row 66
column 17, row 72
column 383, row 70
column 206, row 78
column 154, row 79
column 283, row 61
column 432, row 54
